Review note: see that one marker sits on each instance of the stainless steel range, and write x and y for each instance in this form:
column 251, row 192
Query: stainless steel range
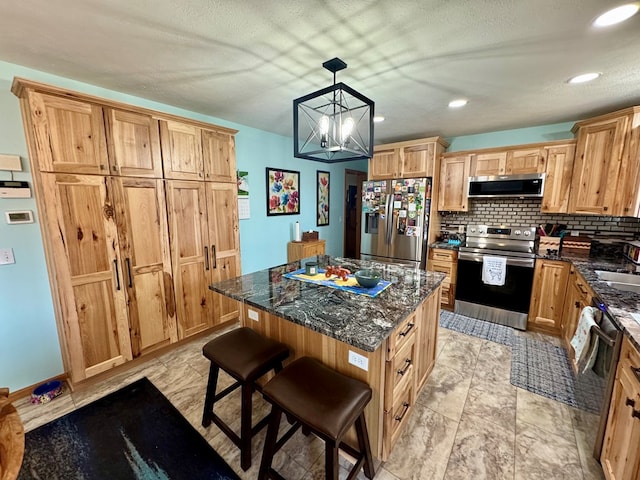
column 509, row 255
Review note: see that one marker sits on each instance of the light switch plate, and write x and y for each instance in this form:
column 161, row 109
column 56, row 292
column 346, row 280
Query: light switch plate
column 6, row 256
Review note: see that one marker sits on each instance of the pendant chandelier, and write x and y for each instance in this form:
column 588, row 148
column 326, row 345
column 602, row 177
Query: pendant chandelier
column 334, row 124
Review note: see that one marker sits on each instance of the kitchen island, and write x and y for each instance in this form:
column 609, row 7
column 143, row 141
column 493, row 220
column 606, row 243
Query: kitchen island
column 388, row 341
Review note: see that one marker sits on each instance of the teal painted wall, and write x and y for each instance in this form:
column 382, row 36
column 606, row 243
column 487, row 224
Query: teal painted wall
column 29, row 347
column 518, row 136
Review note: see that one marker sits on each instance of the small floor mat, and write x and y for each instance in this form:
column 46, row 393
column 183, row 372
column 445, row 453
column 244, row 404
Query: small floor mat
column 477, row 328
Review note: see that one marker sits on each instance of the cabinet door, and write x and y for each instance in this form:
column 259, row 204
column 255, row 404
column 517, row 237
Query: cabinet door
column 454, row 181
column 620, row 455
column 418, row 161
column 529, row 160
column 224, row 239
column 488, row 164
column 426, row 338
column 81, row 222
column 134, row 144
column 190, row 255
column 384, row 165
column 219, row 156
column 597, row 165
column 68, row 135
column 181, row 150
column 547, row 297
column 578, row 296
column 144, row 243
column 557, row 184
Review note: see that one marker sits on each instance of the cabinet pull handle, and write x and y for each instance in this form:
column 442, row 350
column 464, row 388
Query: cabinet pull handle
column 128, row 260
column 585, row 292
column 206, row 258
column 635, row 414
column 407, row 364
column 636, row 372
column 406, row 332
column 213, row 256
column 404, row 412
column 630, row 402
column 115, row 264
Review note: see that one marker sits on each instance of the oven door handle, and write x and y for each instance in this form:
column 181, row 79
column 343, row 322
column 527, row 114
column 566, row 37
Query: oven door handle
column 512, row 261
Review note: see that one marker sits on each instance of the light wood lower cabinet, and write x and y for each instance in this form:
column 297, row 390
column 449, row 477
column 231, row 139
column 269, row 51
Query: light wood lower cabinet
column 300, row 250
column 445, row 261
column 547, row 296
column 620, row 456
column 578, row 296
column 396, row 371
column 204, row 249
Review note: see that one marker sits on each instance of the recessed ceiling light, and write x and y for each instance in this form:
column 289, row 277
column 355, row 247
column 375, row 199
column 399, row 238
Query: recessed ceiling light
column 617, row 15
column 585, row 77
column 461, row 102
column 378, row 118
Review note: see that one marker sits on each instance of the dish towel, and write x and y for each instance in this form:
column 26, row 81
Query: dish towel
column 494, row 270
column 582, row 341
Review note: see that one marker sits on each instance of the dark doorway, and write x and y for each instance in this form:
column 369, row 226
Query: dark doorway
column 352, row 212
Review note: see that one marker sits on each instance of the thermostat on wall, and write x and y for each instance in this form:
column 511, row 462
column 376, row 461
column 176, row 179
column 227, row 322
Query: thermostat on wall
column 14, row 189
column 22, row 216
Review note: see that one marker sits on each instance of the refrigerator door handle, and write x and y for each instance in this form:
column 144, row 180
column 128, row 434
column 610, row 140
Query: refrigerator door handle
column 389, row 224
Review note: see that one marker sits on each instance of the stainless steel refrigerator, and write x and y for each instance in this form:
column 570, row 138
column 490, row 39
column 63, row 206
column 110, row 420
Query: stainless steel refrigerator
column 395, row 220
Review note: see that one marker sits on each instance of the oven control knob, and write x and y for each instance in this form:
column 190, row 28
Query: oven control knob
column 527, row 233
column 473, row 230
column 517, row 232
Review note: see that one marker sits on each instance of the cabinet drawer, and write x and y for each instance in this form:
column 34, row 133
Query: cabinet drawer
column 400, row 369
column 444, row 255
column 397, row 415
column 629, row 356
column 440, row 266
column 401, row 335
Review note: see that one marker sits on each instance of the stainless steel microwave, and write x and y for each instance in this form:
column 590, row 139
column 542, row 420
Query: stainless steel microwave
column 526, row 185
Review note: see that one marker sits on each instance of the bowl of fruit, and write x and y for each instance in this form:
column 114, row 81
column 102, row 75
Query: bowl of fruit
column 368, row 278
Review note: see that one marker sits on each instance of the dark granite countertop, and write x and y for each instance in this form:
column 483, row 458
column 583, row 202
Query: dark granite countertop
column 358, row 320
column 444, row 246
column 619, row 304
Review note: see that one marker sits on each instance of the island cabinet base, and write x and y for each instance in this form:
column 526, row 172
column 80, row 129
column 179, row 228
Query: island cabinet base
column 395, row 371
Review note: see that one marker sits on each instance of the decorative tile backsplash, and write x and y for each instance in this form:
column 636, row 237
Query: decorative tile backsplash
column 526, row 213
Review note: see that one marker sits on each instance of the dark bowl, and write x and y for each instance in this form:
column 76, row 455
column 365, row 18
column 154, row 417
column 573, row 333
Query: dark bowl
column 368, row 278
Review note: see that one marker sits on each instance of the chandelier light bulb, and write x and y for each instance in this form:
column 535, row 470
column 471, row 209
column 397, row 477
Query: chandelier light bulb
column 324, row 125
column 346, row 129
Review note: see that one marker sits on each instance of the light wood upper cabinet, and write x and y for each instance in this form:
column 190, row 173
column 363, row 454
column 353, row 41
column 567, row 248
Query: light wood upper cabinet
column 134, row 144
column 488, row 164
column 607, row 163
column 557, row 183
column 385, row 165
column 67, row 135
column 547, row 297
column 454, row 180
column 218, row 153
column 181, row 150
column 80, row 219
column 620, row 455
column 410, row 159
column 418, row 161
column 144, row 245
column 525, row 160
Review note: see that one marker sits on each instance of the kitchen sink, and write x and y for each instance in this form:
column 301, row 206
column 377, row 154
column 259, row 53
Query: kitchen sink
column 615, row 277
column 626, row 282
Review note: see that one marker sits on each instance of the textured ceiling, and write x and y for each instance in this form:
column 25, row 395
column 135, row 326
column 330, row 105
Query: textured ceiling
column 245, row 61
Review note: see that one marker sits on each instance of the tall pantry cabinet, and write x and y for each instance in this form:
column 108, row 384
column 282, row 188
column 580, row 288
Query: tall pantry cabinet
column 130, row 251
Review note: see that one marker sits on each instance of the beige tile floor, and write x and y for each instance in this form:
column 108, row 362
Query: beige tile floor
column 469, row 421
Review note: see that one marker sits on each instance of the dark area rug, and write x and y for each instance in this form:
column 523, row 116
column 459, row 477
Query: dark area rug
column 536, row 366
column 134, row 433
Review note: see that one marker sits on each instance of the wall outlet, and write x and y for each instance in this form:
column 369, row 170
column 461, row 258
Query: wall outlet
column 359, row 361
column 6, row 256
column 253, row 315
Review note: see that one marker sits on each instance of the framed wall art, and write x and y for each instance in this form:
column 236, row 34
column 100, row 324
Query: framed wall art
column 283, row 192
column 322, row 199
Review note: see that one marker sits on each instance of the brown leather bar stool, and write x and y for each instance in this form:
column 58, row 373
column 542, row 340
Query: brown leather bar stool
column 246, row 356
column 324, row 402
